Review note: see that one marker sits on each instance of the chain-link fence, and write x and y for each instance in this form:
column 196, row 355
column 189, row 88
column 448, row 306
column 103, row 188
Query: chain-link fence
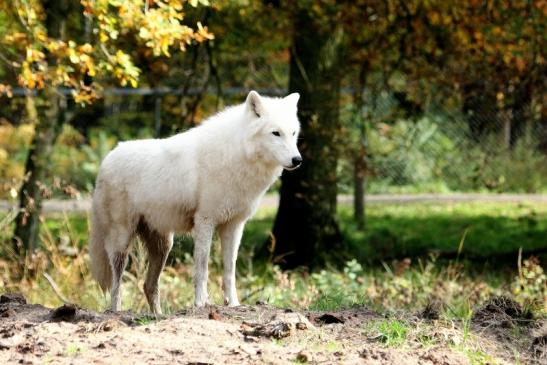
column 408, row 145
column 439, row 146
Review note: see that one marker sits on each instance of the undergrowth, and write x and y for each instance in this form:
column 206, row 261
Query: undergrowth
column 449, row 291
column 60, row 272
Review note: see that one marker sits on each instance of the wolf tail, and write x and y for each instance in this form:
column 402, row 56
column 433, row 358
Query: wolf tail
column 100, row 263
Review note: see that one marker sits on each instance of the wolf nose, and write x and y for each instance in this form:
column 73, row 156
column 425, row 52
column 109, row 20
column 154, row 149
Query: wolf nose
column 296, row 161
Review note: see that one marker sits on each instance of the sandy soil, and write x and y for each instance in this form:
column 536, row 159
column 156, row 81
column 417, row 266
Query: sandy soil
column 33, row 334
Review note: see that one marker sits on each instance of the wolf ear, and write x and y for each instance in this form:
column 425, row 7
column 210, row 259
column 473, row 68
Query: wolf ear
column 293, row 98
column 254, row 103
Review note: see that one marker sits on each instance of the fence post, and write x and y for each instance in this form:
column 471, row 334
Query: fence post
column 157, row 116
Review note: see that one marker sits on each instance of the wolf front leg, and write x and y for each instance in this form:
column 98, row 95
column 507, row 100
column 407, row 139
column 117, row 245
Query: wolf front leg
column 203, row 235
column 230, row 236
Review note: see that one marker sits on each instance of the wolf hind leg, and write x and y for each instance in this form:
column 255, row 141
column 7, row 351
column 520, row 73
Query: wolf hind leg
column 158, row 246
column 117, row 251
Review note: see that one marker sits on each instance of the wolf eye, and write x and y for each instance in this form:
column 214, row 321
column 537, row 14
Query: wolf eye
column 276, row 133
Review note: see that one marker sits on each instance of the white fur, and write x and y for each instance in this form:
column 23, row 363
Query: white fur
column 209, row 177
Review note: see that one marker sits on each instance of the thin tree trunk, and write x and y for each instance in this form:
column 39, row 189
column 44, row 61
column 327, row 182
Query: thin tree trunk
column 359, row 160
column 359, row 173
column 305, row 231
column 27, row 222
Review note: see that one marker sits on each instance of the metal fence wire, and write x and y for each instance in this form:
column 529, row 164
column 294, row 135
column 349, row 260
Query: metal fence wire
column 436, row 144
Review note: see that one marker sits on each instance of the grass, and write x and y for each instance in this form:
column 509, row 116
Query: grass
column 394, row 284
column 145, row 319
column 392, row 332
column 490, row 229
column 74, row 350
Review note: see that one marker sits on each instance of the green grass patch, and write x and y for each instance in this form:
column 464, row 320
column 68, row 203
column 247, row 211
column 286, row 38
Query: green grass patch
column 337, row 299
column 483, row 230
column 145, row 319
column 390, row 332
column 478, row 230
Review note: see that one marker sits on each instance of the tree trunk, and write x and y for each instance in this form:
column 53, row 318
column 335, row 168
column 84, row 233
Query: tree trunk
column 360, row 152
column 359, row 173
column 27, row 222
column 305, row 231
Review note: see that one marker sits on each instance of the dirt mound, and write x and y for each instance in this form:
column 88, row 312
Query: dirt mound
column 502, row 312
column 33, row 334
column 539, row 343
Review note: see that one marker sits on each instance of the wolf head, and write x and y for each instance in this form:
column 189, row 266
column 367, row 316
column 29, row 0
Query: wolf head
column 275, row 129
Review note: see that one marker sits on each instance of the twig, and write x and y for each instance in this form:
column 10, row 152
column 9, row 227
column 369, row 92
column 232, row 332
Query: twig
column 55, row 287
column 248, row 296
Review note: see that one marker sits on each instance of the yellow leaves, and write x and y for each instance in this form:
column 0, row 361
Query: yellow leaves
column 29, row 78
column 55, row 46
column 43, row 60
column 195, row 3
column 520, row 64
column 434, row 17
column 103, row 37
column 6, row 90
column 500, row 96
column 497, row 31
column 84, row 95
column 203, row 33
column 124, row 69
column 34, row 55
column 16, row 38
column 73, row 56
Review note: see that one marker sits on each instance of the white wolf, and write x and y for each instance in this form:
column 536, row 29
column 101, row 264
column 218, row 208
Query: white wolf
column 209, row 177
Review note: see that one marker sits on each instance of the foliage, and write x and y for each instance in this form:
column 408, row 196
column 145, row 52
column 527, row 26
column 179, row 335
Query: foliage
column 50, row 59
column 494, row 167
column 74, row 163
column 531, row 284
column 409, row 153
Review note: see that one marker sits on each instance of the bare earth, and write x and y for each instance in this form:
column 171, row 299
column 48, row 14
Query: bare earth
column 33, row 334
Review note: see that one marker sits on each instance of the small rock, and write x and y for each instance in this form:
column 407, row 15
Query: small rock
column 214, row 315
column 9, row 312
column 328, row 318
column 66, row 312
column 275, row 329
column 303, row 357
column 110, row 325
